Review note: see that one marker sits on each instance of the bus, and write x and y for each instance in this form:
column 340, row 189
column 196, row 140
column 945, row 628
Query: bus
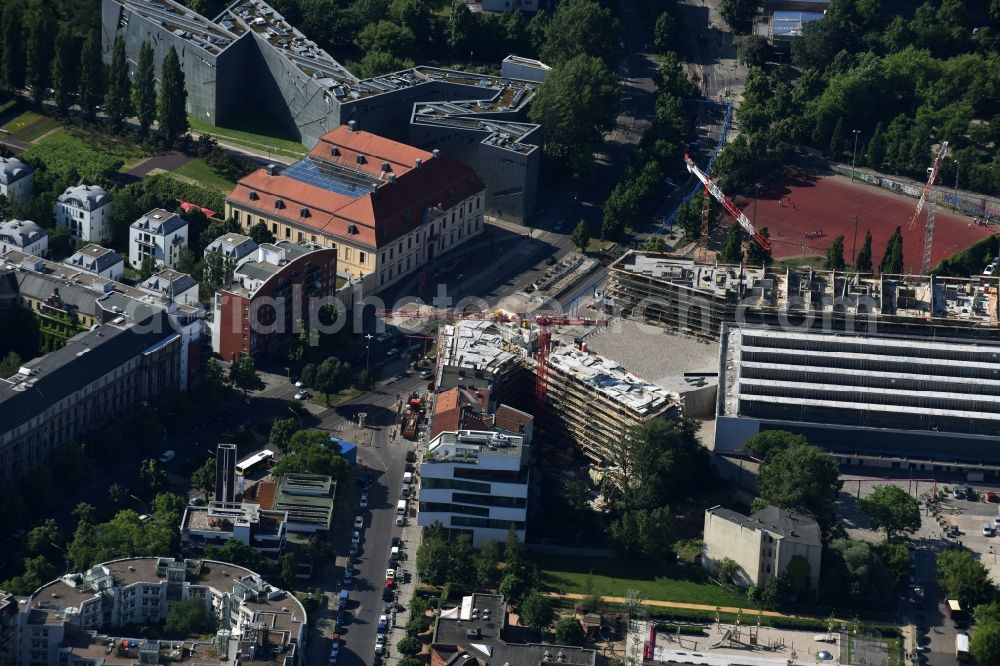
column 962, row 647
column 257, row 460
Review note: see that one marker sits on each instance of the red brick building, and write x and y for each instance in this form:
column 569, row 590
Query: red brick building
column 269, row 294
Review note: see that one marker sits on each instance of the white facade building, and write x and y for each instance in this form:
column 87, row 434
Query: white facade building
column 173, row 287
column 761, row 544
column 158, row 234
column 24, row 236
column 16, row 180
column 477, row 482
column 97, row 260
column 218, row 522
column 235, row 248
column 85, row 210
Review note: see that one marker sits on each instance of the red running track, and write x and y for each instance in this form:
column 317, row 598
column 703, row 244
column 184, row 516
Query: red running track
column 812, row 203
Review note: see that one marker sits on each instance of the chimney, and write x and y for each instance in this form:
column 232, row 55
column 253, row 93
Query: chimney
column 352, row 125
column 418, row 162
column 271, row 169
column 436, row 152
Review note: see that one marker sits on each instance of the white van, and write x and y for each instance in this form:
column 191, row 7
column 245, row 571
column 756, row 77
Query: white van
column 408, row 478
column 987, row 530
column 401, row 508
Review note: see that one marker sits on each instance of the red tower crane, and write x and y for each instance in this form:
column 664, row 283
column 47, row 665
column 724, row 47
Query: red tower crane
column 727, row 203
column 931, row 198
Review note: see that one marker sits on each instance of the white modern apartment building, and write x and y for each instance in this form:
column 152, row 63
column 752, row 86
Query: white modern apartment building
column 85, row 210
column 234, row 248
column 218, row 522
column 475, row 481
column 97, row 260
column 762, row 544
column 24, row 236
column 158, row 234
column 172, row 286
column 16, row 180
column 258, row 622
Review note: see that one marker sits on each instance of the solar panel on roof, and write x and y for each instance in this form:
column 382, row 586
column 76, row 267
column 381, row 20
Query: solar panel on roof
column 307, row 171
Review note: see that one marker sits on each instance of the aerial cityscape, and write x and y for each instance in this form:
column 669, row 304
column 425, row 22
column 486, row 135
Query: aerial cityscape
column 499, row 332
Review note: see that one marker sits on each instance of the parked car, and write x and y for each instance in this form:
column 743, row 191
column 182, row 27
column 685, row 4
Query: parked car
column 390, row 576
column 382, row 337
column 363, row 502
column 355, row 538
column 348, row 577
column 299, row 384
column 301, row 395
column 426, row 374
column 996, row 520
column 196, row 501
column 970, row 494
column 411, row 456
column 400, row 521
column 392, row 353
column 379, row 645
column 167, row 456
column 383, row 623
column 992, row 496
column 359, row 522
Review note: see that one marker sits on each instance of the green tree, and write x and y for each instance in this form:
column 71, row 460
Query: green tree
column 581, row 236
column 984, row 646
column 875, row 154
column 732, row 247
column 753, row 51
column 12, row 55
column 655, row 244
column 332, row 376
column 462, row 567
column 308, row 374
column 892, row 509
column 798, row 475
column 37, row 572
column 644, row 531
column 281, row 432
column 837, row 139
column 798, row 574
column 418, row 18
column 577, row 104
column 892, row 259
column 864, row 260
column 91, row 76
column 665, row 32
column 41, row 38
column 432, row 560
column 486, row 562
column 309, row 452
column 9, row 365
column 581, row 27
column 775, row 593
column 118, row 98
column 288, row 570
column 739, row 14
column 408, row 646
column 569, row 631
column 513, row 586
column 756, row 254
column 386, row 37
column 377, row 63
column 244, row 376
column 835, row 255
column 459, row 32
column 536, row 611
column 260, row 233
column 190, row 616
column 964, row 578
column 147, row 268
column 65, row 67
column 151, row 474
column 144, row 92
column 116, row 494
column 44, row 538
column 409, row 661
column 203, row 478
column 238, row 553
column 171, row 107
column 986, row 613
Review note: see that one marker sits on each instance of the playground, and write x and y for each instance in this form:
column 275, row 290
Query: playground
column 804, row 211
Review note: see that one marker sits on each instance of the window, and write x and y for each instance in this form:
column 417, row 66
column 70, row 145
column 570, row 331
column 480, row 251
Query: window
column 300, row 236
column 274, row 228
column 409, row 242
column 361, row 259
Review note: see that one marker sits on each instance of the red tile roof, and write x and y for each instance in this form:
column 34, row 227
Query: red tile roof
column 380, row 217
column 373, row 149
column 452, row 406
column 511, row 419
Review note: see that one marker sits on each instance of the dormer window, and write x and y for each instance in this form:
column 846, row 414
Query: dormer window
column 253, row 196
column 352, row 229
column 386, row 166
column 304, row 212
column 360, row 159
column 279, row 203
column 334, row 151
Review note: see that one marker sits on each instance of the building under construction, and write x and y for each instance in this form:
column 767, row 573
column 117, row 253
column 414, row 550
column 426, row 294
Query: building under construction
column 592, row 402
column 487, row 354
column 697, row 299
column 862, row 396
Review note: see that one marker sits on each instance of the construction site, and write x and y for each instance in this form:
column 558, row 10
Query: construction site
column 696, row 298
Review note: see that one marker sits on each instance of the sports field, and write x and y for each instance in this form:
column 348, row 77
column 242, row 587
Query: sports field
column 817, row 208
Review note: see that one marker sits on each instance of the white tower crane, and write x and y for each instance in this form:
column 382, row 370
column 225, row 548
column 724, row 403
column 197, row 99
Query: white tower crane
column 930, row 196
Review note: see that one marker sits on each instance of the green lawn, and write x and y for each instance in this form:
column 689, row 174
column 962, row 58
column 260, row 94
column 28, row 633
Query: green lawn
column 614, row 577
column 197, row 170
column 38, row 129
column 22, row 121
column 317, row 398
column 260, row 137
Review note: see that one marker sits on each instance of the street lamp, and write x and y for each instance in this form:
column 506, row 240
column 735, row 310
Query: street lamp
column 368, row 350
column 854, row 157
column 298, row 416
column 140, row 502
column 854, row 249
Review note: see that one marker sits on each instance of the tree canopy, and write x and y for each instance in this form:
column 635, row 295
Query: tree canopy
column 964, row 578
column 311, row 452
column 190, row 617
column 892, row 509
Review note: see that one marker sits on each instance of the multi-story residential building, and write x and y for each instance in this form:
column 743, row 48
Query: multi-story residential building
column 59, row 397
column 470, row 408
column 762, row 544
column 387, row 208
column 594, row 402
column 269, row 294
column 250, row 57
column 159, row 235
column 172, row 286
column 234, row 248
column 16, row 180
column 85, row 210
column 485, row 354
column 97, row 260
column 8, row 625
column 58, row 624
column 476, row 632
column 24, row 236
column 213, row 525
column 476, row 482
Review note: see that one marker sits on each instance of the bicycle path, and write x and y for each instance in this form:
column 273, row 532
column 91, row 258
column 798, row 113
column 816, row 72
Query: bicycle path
column 689, row 606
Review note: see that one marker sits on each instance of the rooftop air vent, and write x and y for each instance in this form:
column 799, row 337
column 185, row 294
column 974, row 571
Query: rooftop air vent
column 436, row 152
column 271, row 169
column 418, row 162
column 352, row 125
